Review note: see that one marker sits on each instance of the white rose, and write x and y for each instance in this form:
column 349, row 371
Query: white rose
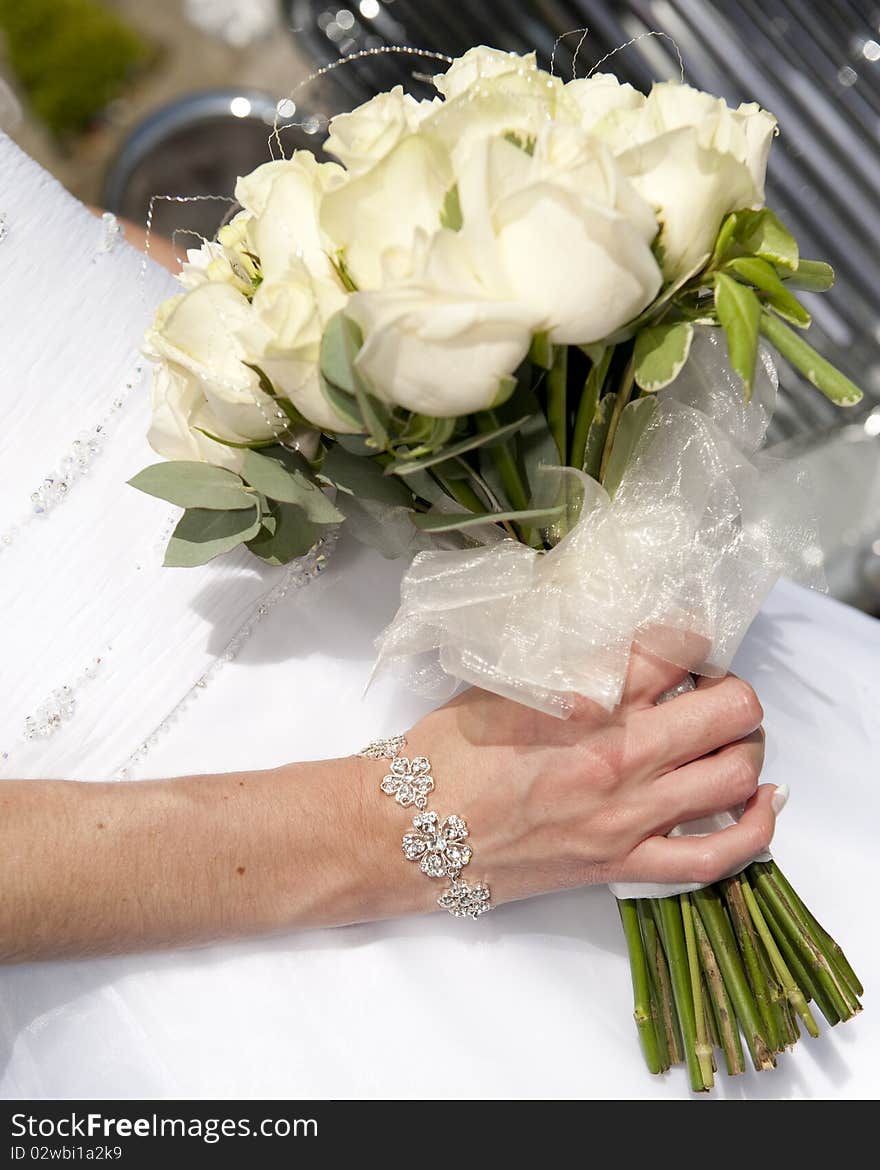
column 490, row 93
column 284, row 199
column 601, row 95
column 694, row 160
column 376, row 215
column 284, row 335
column 441, row 344
column 198, row 333
column 571, row 236
column 480, row 64
column 361, row 138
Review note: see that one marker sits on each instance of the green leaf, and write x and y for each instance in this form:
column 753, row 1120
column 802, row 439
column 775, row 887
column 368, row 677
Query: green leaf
column 724, row 239
column 363, row 478
column 598, row 433
column 202, row 534
column 405, row 467
column 193, row 485
column 761, row 233
column 812, row 365
column 291, row 534
column 450, row 213
column 340, row 344
column 811, row 275
column 660, row 352
column 254, row 445
column 287, row 478
column 765, row 277
column 453, row 521
column 634, row 418
column 268, row 388
column 541, row 351
column 344, row 404
column 739, row 312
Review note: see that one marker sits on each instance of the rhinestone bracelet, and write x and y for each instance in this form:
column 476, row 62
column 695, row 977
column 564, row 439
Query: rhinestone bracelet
column 439, row 846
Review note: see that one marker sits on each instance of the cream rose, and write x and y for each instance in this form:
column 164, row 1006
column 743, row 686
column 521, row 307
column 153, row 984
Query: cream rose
column 284, row 336
column 284, row 199
column 442, row 343
column 361, row 138
column 197, row 334
column 376, row 216
column 570, row 235
column 694, row 159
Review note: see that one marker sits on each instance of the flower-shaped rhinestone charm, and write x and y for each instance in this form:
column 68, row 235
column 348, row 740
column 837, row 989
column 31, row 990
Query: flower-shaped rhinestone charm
column 438, row 846
column 463, row 900
column 409, row 781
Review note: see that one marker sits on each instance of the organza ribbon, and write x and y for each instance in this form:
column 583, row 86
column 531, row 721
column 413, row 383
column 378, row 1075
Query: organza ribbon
column 679, row 561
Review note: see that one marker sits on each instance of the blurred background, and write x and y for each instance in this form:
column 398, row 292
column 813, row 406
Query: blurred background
column 124, row 100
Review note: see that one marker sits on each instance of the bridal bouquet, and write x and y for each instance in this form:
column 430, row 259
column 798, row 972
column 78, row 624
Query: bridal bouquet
column 521, row 332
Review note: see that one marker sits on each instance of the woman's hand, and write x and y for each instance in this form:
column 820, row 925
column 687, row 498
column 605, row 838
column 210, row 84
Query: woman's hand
column 554, row 803
column 550, row 803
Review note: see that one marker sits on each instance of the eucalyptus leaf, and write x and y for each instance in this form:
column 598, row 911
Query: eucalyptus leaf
column 825, row 377
column 363, row 477
column 268, row 388
column 253, row 445
column 194, row 485
column 344, row 404
column 202, row 534
column 285, row 480
column 456, row 521
column 341, row 341
column 764, row 276
column 660, row 353
column 291, row 534
column 598, row 433
column 405, row 467
column 634, row 418
column 739, row 312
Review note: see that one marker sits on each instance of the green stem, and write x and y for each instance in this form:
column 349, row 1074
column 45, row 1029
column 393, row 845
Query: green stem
column 667, row 1024
column 462, row 492
column 505, row 463
column 842, row 999
column 792, row 959
column 702, row 1047
column 748, row 948
column 586, row 410
column 641, row 986
column 833, row 948
column 794, row 993
column 722, row 1008
column 557, row 400
column 717, row 924
column 623, row 397
column 676, row 952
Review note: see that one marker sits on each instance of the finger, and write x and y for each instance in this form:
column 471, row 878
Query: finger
column 724, row 780
column 718, row 712
column 648, row 677
column 706, row 859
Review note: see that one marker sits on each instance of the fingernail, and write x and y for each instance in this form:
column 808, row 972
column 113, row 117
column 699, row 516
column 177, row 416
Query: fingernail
column 780, row 798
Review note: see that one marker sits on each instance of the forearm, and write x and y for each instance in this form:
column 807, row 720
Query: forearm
column 102, row 868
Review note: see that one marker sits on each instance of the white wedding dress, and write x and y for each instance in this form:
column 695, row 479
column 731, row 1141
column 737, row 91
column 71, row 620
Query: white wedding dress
column 532, row 1001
